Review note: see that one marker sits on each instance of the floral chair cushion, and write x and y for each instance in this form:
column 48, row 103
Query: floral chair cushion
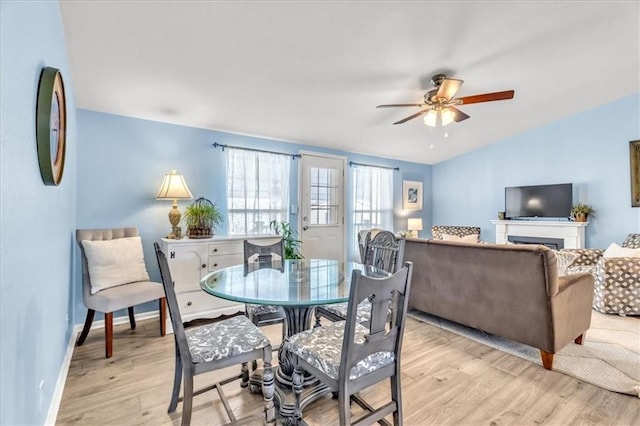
column 262, row 309
column 223, row 339
column 322, row 348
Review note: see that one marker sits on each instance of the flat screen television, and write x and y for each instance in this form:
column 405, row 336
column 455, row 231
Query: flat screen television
column 538, row 201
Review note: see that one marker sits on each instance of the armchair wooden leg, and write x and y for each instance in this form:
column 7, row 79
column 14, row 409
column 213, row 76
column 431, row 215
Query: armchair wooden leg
column 132, row 318
column 163, row 315
column 87, row 326
column 579, row 340
column 547, row 359
column 108, row 334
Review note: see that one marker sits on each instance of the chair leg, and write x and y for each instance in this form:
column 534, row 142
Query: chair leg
column 132, row 318
column 244, row 373
column 87, row 326
column 163, row 315
column 177, row 380
column 344, row 405
column 580, row 339
column 108, row 334
column 268, row 388
column 396, row 396
column 187, row 403
column 296, row 384
column 547, row 359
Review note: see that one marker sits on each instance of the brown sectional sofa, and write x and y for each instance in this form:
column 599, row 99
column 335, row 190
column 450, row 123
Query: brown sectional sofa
column 513, row 291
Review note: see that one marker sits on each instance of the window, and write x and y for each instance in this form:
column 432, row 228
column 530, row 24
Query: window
column 372, row 200
column 323, row 197
column 257, row 190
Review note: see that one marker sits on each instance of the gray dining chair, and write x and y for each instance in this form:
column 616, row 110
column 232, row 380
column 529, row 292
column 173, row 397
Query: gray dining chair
column 211, row 347
column 258, row 257
column 385, row 251
column 111, row 299
column 349, row 357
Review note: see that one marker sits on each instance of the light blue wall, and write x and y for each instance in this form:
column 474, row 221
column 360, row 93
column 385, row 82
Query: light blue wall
column 36, row 221
column 590, row 149
column 122, row 160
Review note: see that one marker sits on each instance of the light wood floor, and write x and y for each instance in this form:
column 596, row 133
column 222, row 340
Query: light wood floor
column 447, row 380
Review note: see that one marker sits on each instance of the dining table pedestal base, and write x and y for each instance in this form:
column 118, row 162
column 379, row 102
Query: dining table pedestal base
column 298, row 319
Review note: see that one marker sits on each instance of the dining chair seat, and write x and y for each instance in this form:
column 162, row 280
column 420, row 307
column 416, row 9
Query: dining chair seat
column 322, row 348
column 264, row 310
column 114, row 298
column 224, row 339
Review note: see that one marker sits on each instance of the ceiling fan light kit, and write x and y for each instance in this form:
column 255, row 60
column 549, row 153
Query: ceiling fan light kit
column 439, row 103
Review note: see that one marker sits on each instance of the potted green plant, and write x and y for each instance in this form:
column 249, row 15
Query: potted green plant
column 201, row 218
column 291, row 243
column 581, row 212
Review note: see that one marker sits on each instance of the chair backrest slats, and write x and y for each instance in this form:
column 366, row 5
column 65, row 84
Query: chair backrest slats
column 262, row 256
column 384, row 251
column 384, row 334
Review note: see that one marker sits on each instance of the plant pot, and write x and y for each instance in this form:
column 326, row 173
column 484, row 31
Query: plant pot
column 200, row 232
column 580, row 217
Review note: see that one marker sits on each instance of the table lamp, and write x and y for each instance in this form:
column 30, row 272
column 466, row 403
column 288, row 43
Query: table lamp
column 174, row 188
column 413, row 226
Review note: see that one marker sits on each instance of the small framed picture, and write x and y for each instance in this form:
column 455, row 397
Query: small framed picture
column 411, row 195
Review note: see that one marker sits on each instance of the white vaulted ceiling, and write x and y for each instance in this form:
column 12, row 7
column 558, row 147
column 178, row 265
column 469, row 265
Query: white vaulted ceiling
column 313, row 71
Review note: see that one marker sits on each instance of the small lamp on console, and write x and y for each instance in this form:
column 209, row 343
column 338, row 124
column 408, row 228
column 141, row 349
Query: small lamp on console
column 174, row 188
column 413, row 226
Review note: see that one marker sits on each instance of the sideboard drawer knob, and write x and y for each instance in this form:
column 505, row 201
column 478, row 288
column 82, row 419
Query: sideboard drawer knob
column 189, row 303
column 215, row 250
column 215, row 265
column 204, row 265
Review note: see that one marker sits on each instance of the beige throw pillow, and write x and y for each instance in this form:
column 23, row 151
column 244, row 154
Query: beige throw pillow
column 564, row 259
column 615, row 250
column 115, row 262
column 473, row 238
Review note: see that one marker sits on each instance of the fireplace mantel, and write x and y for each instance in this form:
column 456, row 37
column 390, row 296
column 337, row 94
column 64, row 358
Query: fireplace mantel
column 571, row 232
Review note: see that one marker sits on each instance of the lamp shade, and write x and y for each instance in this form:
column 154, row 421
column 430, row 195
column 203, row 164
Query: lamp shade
column 414, row 224
column 174, row 188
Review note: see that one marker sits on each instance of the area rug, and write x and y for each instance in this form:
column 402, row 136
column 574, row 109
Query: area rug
column 609, row 357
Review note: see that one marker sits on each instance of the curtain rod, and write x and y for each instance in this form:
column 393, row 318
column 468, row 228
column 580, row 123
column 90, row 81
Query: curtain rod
column 353, row 163
column 223, row 146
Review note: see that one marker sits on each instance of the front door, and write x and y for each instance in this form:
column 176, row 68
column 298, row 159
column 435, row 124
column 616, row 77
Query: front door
column 322, row 206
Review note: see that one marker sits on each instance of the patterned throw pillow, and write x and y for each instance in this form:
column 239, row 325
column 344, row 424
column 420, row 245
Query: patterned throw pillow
column 564, row 260
column 473, row 238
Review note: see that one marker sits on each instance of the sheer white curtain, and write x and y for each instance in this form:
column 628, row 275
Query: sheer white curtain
column 372, row 201
column 257, row 190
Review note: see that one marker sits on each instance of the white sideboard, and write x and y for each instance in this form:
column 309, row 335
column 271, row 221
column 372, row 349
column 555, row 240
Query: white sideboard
column 191, row 259
column 572, row 233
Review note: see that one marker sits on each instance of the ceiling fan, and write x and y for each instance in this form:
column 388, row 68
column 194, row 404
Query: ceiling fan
column 440, row 102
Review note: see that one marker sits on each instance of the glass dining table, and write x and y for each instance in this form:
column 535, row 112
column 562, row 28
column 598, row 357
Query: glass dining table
column 297, row 286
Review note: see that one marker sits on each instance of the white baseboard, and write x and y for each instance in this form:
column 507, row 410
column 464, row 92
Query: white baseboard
column 56, row 399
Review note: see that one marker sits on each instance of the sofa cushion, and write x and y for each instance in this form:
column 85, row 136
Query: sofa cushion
column 615, row 250
column 564, row 259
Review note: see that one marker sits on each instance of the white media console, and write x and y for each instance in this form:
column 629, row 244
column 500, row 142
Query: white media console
column 572, row 233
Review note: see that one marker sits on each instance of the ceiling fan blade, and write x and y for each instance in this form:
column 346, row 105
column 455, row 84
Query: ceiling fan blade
column 487, row 97
column 400, row 105
column 447, row 89
column 411, row 117
column 458, row 115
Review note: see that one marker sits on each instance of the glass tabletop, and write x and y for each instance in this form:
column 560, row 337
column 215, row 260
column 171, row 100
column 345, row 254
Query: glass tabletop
column 304, row 282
